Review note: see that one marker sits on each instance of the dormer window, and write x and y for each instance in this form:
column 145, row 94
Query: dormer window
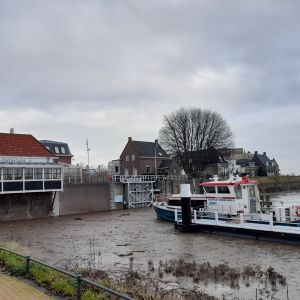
column 63, row 150
column 56, row 149
column 127, row 157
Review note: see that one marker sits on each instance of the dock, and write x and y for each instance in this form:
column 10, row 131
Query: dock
column 239, row 226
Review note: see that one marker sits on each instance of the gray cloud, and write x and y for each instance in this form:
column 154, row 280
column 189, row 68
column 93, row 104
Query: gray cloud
column 111, row 69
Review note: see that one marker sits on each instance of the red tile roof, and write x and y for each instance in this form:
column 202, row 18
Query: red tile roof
column 22, row 145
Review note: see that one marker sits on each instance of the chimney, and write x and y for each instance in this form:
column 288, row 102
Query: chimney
column 255, row 152
column 156, row 141
column 129, row 139
column 12, row 131
column 265, row 154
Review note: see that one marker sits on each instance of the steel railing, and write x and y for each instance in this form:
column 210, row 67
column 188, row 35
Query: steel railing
column 78, row 278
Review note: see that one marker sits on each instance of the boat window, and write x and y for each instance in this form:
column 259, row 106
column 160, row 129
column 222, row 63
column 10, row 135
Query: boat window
column 210, row 189
column 223, row 190
column 174, row 202
column 238, row 192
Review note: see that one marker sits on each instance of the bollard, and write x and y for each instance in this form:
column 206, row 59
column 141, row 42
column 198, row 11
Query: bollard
column 27, row 268
column 185, row 195
column 195, row 216
column 176, row 215
column 78, row 278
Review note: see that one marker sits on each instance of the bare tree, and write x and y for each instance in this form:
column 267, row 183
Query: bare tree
column 189, row 131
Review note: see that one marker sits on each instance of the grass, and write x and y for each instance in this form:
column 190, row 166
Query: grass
column 56, row 282
column 278, row 179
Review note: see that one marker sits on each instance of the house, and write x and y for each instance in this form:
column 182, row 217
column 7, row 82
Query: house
column 26, row 166
column 267, row 166
column 205, row 163
column 146, row 158
column 60, row 150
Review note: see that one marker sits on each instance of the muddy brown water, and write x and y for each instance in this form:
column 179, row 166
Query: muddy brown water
column 116, row 236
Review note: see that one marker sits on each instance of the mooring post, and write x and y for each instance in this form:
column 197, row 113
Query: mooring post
column 27, row 268
column 185, row 195
column 195, row 216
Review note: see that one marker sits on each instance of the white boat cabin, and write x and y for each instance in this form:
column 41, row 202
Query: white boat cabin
column 233, row 196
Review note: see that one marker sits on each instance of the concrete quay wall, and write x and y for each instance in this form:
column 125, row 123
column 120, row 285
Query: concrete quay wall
column 84, row 198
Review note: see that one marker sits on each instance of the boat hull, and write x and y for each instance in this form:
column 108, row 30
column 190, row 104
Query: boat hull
column 164, row 213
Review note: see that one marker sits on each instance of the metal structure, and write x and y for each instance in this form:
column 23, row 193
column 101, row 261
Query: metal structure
column 139, row 188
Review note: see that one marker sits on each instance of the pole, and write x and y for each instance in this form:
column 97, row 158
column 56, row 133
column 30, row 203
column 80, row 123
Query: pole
column 155, row 167
column 185, row 195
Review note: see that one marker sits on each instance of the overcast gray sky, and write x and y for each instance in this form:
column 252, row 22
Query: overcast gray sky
column 109, row 69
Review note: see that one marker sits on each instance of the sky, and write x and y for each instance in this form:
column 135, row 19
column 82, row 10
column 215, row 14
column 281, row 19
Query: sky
column 107, row 70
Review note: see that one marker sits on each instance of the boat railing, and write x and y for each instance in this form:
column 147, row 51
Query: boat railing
column 215, row 216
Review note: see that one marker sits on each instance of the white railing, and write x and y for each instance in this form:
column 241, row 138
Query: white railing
column 137, row 178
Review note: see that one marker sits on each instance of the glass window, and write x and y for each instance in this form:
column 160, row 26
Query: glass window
column 127, row 157
column 18, row 174
column 210, row 189
column 63, row 150
column 56, row 149
column 223, row 190
column 132, row 157
column 48, row 173
column 7, row 174
column 148, row 169
column 126, row 171
column 38, row 173
column 56, row 173
column 238, row 192
column 28, row 173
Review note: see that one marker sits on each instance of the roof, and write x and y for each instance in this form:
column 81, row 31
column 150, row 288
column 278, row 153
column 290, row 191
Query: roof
column 165, row 164
column 57, row 148
column 243, row 180
column 149, row 149
column 22, row 145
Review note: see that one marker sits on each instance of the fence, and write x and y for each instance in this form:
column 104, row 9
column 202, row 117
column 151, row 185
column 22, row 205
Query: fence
column 79, row 280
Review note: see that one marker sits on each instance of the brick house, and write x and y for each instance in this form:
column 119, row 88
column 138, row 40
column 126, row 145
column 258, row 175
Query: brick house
column 60, row 150
column 267, row 166
column 146, row 158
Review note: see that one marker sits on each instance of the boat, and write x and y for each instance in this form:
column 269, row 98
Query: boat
column 232, row 196
column 229, row 199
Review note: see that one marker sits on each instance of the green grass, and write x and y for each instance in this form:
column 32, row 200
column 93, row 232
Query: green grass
column 278, row 179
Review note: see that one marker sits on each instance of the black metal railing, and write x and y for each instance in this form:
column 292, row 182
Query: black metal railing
column 79, row 280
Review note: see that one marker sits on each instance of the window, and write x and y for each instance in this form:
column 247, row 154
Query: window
column 238, row 192
column 18, row 174
column 132, row 157
column 134, row 171
column 56, row 173
column 223, row 190
column 28, row 174
column 116, row 169
column 148, row 169
column 56, row 149
column 7, row 174
column 48, row 173
column 210, row 189
column 126, row 171
column 127, row 157
column 63, row 150
column 38, row 173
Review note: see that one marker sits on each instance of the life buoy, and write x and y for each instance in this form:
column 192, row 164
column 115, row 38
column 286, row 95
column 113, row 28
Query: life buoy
column 297, row 209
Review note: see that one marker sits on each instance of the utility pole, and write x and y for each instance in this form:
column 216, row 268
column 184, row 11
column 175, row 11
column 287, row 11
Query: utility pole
column 155, row 166
column 88, row 153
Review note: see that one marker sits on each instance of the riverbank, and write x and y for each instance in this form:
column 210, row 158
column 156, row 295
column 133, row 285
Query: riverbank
column 277, row 184
column 109, row 241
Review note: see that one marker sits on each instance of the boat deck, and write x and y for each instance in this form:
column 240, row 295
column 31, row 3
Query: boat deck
column 257, row 230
